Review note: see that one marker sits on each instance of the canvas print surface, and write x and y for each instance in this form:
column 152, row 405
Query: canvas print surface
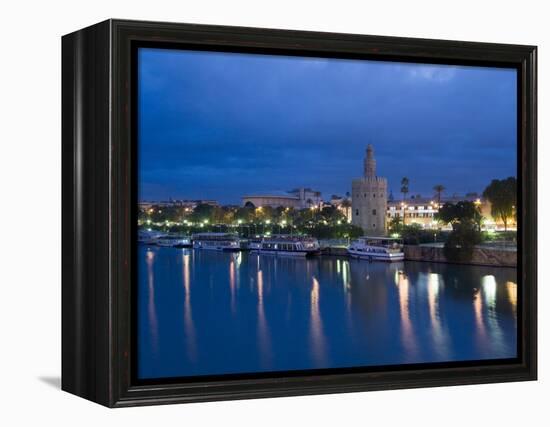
column 301, row 213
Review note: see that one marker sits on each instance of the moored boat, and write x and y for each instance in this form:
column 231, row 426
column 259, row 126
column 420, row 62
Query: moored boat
column 174, row 241
column 377, row 249
column 254, row 244
column 148, row 237
column 283, row 245
column 217, row 241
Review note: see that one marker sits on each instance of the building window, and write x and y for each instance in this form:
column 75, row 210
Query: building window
column 374, row 211
column 356, row 211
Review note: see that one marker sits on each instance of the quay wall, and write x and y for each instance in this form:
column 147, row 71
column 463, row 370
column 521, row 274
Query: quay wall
column 334, row 251
column 480, row 256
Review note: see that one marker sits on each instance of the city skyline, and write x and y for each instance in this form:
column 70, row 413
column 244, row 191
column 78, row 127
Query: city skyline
column 222, row 125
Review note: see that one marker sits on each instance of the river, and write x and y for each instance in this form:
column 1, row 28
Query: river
column 211, row 313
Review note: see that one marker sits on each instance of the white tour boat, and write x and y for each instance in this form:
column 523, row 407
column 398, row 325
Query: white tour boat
column 174, row 241
column 148, row 237
column 377, row 249
column 254, row 244
column 217, row 241
column 289, row 246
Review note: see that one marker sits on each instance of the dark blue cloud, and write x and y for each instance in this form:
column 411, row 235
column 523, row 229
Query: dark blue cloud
column 220, row 125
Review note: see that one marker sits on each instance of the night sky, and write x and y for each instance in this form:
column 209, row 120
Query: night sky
column 223, row 125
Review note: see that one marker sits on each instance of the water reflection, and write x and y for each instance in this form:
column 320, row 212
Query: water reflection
column 188, row 323
column 232, row 284
column 512, row 290
column 317, row 337
column 263, row 332
column 152, row 311
column 489, row 287
column 439, row 334
column 211, row 312
column 407, row 332
column 480, row 332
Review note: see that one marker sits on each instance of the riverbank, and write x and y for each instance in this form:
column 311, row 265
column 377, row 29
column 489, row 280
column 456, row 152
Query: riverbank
column 493, row 257
column 480, row 256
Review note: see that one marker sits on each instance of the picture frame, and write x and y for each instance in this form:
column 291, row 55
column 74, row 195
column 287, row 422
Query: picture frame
column 99, row 125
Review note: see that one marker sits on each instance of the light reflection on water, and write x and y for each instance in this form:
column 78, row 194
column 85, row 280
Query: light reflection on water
column 407, row 333
column 263, row 330
column 440, row 343
column 188, row 323
column 152, row 311
column 204, row 312
column 317, row 338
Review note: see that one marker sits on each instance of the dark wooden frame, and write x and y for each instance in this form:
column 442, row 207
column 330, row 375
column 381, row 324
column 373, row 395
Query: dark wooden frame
column 98, row 212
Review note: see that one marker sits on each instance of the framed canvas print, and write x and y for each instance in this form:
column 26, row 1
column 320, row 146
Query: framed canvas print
column 258, row 213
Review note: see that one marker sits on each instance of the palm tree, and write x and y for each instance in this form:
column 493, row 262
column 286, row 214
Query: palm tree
column 404, row 187
column 439, row 189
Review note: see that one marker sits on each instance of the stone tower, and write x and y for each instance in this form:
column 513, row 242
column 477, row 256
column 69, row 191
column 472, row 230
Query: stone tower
column 369, row 198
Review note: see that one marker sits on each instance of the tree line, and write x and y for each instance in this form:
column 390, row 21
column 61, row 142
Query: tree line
column 326, row 222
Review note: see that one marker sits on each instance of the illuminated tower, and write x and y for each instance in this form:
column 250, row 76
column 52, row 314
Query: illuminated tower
column 369, row 198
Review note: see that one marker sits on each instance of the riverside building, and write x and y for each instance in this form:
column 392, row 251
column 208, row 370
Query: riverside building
column 421, row 210
column 299, row 198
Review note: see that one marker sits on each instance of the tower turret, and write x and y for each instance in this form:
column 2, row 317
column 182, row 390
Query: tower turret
column 370, row 163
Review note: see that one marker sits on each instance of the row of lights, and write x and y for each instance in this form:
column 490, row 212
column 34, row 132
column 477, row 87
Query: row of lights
column 283, row 223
